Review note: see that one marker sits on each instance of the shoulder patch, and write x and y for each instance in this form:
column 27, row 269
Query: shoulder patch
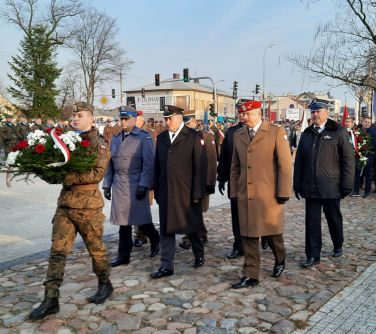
column 277, row 125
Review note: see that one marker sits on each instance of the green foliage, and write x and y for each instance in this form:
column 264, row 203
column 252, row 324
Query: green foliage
column 34, row 75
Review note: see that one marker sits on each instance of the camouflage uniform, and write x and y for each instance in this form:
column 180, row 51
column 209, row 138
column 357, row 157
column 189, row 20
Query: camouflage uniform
column 9, row 137
column 79, row 209
column 22, row 130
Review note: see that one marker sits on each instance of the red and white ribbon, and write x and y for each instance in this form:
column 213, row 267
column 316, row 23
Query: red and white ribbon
column 62, row 147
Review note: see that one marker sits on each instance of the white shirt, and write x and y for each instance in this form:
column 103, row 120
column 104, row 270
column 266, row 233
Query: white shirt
column 256, row 127
column 320, row 128
column 172, row 138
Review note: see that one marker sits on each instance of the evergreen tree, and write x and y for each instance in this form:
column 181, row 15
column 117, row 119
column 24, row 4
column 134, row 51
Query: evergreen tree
column 34, row 74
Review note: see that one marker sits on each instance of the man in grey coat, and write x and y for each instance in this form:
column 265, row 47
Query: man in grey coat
column 130, row 175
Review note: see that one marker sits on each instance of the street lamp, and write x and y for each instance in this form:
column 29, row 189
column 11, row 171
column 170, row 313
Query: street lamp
column 263, row 76
column 215, row 95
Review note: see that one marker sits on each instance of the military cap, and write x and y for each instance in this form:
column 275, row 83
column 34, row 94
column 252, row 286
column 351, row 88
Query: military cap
column 249, row 105
column 170, row 110
column 83, row 106
column 317, row 104
column 127, row 112
column 188, row 116
column 231, row 120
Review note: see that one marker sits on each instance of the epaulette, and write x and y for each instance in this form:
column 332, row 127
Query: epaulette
column 144, row 131
column 277, row 125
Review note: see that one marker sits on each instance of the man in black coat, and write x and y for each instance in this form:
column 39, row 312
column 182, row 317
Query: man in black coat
column 179, row 186
column 223, row 171
column 323, row 175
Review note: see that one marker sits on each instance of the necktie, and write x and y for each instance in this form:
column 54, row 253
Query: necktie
column 251, row 134
column 172, row 136
column 317, row 128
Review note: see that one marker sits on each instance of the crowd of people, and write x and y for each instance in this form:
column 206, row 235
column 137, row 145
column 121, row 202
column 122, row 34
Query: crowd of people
column 178, row 162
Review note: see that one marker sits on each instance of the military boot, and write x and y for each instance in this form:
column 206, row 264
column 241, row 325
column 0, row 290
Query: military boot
column 104, row 291
column 48, row 306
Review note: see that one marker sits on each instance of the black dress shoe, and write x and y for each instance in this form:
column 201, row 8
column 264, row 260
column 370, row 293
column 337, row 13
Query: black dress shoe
column 264, row 242
column 309, row 262
column 245, row 282
column 119, row 262
column 48, row 306
column 337, row 252
column 185, row 245
column 366, row 195
column 103, row 292
column 234, row 254
column 278, row 269
column 199, row 262
column 161, row 272
column 139, row 242
column 154, row 250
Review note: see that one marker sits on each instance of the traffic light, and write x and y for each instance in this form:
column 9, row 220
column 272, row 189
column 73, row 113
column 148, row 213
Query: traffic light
column 257, row 89
column 235, row 87
column 157, row 82
column 212, row 110
column 143, row 92
column 235, row 90
column 186, row 75
column 113, row 93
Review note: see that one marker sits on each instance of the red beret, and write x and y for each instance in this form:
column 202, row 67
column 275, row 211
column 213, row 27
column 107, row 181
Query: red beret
column 249, row 105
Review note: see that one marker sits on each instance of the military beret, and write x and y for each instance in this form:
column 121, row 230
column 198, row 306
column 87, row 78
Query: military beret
column 83, row 106
column 127, row 112
column 249, row 105
column 170, row 110
column 318, row 104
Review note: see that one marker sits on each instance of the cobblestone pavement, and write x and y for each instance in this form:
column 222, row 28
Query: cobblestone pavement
column 200, row 300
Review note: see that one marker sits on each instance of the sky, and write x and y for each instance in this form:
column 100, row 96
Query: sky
column 223, row 39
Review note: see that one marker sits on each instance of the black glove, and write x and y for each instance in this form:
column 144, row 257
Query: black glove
column 210, row 190
column 221, row 187
column 282, row 200
column 107, row 193
column 297, row 195
column 141, row 192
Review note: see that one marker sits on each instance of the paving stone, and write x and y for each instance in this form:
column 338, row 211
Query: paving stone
column 283, row 327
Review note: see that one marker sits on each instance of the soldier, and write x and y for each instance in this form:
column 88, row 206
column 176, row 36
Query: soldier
column 79, row 209
column 130, row 175
column 179, row 182
column 260, row 180
column 108, row 132
column 9, row 134
column 22, row 128
column 37, row 125
column 140, row 238
column 50, row 124
column 211, row 160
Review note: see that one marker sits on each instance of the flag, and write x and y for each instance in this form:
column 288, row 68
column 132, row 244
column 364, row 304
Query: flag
column 303, row 122
column 344, row 116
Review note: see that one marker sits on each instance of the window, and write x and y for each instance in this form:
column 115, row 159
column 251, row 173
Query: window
column 182, row 102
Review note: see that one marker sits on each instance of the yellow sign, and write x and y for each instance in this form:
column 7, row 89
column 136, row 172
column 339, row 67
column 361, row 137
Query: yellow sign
column 104, row 100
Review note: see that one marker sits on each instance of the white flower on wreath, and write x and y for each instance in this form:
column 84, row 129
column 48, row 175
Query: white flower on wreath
column 70, row 139
column 36, row 137
column 11, row 159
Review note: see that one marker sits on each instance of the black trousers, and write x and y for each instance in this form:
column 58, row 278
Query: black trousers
column 126, row 242
column 367, row 174
column 235, row 225
column 168, row 248
column 313, row 238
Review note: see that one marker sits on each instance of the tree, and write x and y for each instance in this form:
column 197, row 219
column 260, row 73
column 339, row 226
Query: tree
column 99, row 55
column 345, row 47
column 26, row 14
column 34, row 74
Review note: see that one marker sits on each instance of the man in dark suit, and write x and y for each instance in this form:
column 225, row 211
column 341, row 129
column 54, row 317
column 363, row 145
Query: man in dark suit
column 323, row 175
column 179, row 185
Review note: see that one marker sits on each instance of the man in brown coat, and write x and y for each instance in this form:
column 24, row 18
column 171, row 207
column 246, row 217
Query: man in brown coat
column 260, row 179
column 79, row 210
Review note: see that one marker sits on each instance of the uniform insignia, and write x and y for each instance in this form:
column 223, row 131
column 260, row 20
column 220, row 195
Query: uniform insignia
column 327, row 137
column 103, row 147
column 148, row 137
column 277, row 125
column 202, row 142
column 213, row 142
column 285, row 137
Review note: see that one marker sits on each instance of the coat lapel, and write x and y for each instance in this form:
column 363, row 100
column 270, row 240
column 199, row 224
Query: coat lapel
column 262, row 131
column 244, row 136
column 183, row 132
